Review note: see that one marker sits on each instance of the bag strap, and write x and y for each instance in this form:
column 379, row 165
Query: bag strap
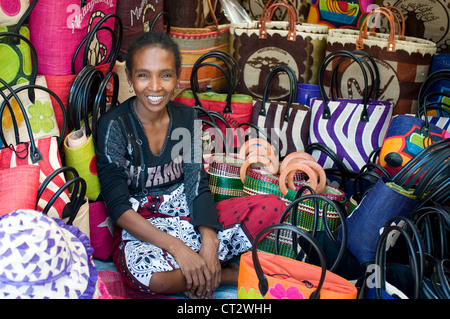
column 374, row 73
column 344, row 172
column 301, row 197
column 292, row 20
column 380, row 259
column 328, row 59
column 194, row 85
column 35, row 154
column 99, row 105
column 263, row 283
column 25, row 16
column 292, row 92
column 87, row 40
column 76, row 199
column 60, row 104
column 34, row 58
column 162, row 14
column 232, row 66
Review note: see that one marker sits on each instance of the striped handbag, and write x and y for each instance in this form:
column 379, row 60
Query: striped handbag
column 223, row 177
column 287, row 123
column 352, row 128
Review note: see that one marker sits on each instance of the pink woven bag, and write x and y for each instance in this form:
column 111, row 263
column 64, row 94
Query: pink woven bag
column 50, row 21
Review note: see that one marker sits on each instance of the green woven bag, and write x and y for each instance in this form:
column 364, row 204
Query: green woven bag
column 259, row 182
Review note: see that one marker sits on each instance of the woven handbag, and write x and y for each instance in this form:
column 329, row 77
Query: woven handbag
column 67, row 22
column 269, row 276
column 403, row 62
column 223, row 176
column 194, row 42
column 305, row 218
column 44, row 152
column 18, row 58
column 259, row 46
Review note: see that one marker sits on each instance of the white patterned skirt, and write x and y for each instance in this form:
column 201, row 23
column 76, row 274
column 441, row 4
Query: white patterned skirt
column 138, row 260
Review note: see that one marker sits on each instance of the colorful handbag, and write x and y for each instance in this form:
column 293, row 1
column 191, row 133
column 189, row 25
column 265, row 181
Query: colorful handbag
column 352, row 128
column 44, row 152
column 40, row 111
column 18, row 59
column 269, row 276
column 70, row 20
column 339, row 13
column 287, row 123
column 224, row 178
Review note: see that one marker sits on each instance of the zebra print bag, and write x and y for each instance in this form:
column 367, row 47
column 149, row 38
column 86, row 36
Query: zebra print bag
column 351, row 128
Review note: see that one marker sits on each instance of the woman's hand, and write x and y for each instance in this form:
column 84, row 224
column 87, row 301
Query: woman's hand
column 194, row 268
column 210, row 254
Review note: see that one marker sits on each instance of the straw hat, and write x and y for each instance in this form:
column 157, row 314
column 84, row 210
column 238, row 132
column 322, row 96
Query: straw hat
column 42, row 258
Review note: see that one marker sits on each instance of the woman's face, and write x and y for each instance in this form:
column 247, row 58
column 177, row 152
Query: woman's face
column 154, row 78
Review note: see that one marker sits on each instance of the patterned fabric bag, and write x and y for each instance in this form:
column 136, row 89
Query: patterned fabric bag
column 16, row 54
column 261, row 45
column 43, row 152
column 339, row 13
column 286, row 122
column 269, row 276
column 352, row 128
column 403, row 62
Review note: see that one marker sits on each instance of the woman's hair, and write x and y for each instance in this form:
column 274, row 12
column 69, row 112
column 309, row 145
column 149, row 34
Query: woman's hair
column 160, row 39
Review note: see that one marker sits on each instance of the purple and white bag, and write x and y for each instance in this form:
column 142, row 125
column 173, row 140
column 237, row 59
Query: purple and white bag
column 352, row 128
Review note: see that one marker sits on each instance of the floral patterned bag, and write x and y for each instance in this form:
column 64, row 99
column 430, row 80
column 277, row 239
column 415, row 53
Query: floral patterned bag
column 269, row 276
column 40, row 113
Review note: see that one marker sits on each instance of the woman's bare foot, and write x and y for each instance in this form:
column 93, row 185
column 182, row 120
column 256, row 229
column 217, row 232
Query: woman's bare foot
column 229, row 274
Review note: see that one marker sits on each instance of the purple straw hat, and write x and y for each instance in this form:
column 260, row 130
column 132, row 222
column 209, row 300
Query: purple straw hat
column 42, row 258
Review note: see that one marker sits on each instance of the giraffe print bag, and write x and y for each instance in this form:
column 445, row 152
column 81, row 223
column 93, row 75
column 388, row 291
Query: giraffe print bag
column 58, row 27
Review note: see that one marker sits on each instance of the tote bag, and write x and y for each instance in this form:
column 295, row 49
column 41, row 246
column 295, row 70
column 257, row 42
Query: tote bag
column 261, row 45
column 70, row 20
column 41, row 112
column 270, row 276
column 234, row 108
column 194, row 42
column 403, row 62
column 351, row 128
column 286, row 122
column 44, row 153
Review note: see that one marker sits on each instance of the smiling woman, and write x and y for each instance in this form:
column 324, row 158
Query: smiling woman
column 170, row 235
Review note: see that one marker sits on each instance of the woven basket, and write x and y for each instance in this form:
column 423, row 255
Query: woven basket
column 260, row 182
column 223, row 177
